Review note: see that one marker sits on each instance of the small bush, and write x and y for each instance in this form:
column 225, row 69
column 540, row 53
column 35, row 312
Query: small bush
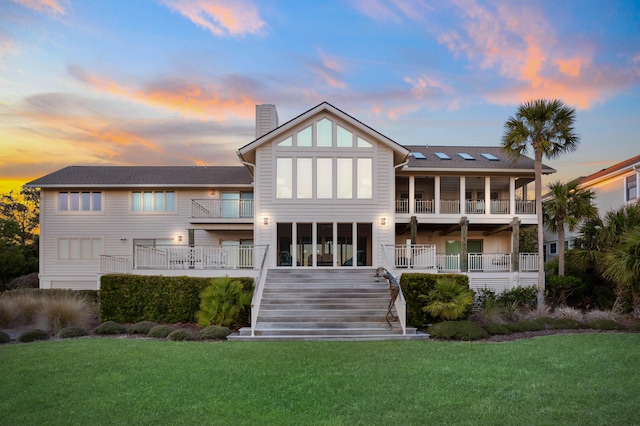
column 496, row 329
column 596, row 314
column 25, row 281
column 8, row 312
column 521, row 297
column 4, row 338
column 568, row 324
column 449, row 300
column 33, row 335
column 605, row 324
column 160, row 331
column 71, row 332
column 142, row 327
column 214, row 332
column 60, row 311
column 568, row 312
column 529, row 325
column 181, row 334
column 636, row 327
column 224, row 302
column 110, row 328
column 457, row 330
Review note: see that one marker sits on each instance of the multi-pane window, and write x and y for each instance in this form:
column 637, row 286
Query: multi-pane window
column 79, row 248
column 324, row 133
column 80, row 201
column 631, row 188
column 553, row 248
column 153, row 201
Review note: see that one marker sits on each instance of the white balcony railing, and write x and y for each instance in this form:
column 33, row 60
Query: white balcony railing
column 115, row 264
column 416, row 256
column 197, row 257
column 489, row 262
column 448, row 262
column 529, row 262
column 471, row 206
column 221, row 209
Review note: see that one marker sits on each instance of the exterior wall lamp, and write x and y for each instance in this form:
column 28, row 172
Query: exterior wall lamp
column 265, row 220
column 383, row 221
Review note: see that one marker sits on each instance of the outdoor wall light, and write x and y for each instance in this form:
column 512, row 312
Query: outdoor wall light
column 179, row 238
column 383, row 221
column 123, row 239
column 265, row 220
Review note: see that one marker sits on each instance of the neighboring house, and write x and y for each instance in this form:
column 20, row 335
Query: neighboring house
column 613, row 188
column 323, row 190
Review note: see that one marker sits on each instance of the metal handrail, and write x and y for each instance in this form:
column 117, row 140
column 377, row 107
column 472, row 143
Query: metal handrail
column 257, row 292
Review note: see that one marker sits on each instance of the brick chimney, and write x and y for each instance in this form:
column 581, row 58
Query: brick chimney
column 266, row 119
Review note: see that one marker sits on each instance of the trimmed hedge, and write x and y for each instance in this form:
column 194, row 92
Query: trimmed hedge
column 415, row 284
column 4, row 338
column 457, row 330
column 135, row 298
column 33, row 335
column 214, row 332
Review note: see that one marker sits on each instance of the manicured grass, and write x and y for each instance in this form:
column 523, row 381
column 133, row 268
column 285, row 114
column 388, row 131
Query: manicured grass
column 570, row 379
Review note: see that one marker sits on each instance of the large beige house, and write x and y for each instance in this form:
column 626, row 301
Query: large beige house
column 321, row 192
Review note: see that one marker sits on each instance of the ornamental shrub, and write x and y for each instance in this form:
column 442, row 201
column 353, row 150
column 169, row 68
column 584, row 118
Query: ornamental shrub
column 181, row 334
column 110, row 328
column 605, row 324
column 72, row 331
column 141, row 327
column 224, row 302
column 415, row 284
column 63, row 310
column 33, row 335
column 160, row 331
column 520, row 297
column 4, row 338
column 214, row 332
column 496, row 329
column 457, row 330
column 449, row 300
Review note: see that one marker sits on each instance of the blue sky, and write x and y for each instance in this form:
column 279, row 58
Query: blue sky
column 175, row 82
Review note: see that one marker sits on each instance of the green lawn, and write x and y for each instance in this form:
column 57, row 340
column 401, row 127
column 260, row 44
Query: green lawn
column 572, row 379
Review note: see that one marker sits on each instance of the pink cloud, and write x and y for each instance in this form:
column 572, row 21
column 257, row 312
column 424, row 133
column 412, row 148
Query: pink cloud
column 203, row 101
column 52, row 7
column 221, row 17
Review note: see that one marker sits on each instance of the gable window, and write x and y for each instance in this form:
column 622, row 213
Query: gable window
column 284, row 178
column 80, row 201
column 631, row 187
column 153, row 201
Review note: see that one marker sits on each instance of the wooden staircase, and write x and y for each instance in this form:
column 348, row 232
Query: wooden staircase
column 325, row 304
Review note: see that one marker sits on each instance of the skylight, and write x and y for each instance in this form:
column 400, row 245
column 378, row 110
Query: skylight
column 490, row 157
column 418, row 155
column 442, row 156
column 465, row 156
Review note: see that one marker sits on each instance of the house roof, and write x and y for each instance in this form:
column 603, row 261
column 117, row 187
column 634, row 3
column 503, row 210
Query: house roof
column 246, row 152
column 620, row 167
column 489, row 158
column 106, row 176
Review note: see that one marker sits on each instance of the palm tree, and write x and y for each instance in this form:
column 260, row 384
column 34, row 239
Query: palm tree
column 622, row 266
column 546, row 127
column 568, row 205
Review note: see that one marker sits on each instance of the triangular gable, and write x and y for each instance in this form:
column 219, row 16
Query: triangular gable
column 247, row 152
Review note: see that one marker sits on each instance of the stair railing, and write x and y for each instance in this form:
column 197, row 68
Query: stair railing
column 257, row 292
column 397, row 299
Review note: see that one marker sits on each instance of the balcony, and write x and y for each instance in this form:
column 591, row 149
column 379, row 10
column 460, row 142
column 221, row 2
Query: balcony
column 472, row 206
column 222, row 210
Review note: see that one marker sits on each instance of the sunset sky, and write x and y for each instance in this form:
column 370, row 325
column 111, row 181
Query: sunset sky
column 175, row 82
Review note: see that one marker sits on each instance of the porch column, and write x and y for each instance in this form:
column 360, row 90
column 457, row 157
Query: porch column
column 294, row 245
column 487, row 195
column 464, row 232
column 412, row 194
column 436, row 194
column 515, row 245
column 463, row 188
column 512, row 195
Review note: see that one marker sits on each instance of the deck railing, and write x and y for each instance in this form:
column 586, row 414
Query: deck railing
column 115, row 264
column 221, row 209
column 196, row 257
column 471, row 206
column 448, row 262
column 416, row 256
column 489, row 262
